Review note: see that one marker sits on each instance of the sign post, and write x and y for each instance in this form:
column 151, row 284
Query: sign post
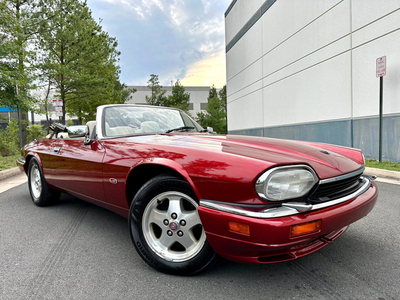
column 380, row 72
column 58, row 103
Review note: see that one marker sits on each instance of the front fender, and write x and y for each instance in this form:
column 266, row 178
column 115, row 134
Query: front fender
column 173, row 165
column 28, row 158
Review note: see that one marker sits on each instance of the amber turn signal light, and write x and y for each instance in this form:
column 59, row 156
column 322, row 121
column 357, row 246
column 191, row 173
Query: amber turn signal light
column 306, row 228
column 239, row 227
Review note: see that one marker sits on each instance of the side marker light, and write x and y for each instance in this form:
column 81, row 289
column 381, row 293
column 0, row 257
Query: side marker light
column 306, row 228
column 239, row 227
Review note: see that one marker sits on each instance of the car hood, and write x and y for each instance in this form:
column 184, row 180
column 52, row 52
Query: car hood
column 327, row 160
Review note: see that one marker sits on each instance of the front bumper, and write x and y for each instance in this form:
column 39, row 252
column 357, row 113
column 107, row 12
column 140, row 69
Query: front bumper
column 21, row 164
column 269, row 240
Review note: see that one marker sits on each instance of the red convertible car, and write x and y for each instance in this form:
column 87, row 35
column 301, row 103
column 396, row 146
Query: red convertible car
column 190, row 195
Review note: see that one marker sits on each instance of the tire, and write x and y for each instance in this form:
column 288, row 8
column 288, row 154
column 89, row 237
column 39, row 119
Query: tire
column 40, row 192
column 166, row 229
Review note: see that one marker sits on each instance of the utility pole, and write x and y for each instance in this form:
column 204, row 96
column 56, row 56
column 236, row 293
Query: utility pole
column 19, row 118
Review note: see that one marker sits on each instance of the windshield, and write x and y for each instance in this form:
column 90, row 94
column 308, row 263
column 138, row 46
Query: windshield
column 133, row 120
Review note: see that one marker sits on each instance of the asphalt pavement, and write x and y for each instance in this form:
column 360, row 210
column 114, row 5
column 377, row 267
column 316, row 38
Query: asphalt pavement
column 75, row 250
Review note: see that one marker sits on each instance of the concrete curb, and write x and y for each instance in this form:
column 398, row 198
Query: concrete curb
column 383, row 173
column 9, row 173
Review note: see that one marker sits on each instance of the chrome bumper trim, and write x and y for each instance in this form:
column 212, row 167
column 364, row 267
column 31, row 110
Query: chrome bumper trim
column 287, row 209
column 345, row 176
column 21, row 160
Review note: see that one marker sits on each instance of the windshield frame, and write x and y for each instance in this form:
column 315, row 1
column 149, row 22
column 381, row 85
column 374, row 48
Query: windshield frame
column 101, row 113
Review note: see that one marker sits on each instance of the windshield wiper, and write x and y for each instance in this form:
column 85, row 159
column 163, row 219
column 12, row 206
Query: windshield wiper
column 180, row 129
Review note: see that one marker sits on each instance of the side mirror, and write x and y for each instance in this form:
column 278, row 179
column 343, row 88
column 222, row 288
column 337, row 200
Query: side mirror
column 210, row 130
column 77, row 131
column 87, row 140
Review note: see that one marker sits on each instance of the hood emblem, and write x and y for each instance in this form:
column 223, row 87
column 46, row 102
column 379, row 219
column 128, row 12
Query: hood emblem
column 325, row 152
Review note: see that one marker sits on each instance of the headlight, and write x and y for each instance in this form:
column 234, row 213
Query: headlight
column 287, row 182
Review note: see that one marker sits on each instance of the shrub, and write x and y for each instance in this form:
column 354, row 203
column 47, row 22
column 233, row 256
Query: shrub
column 34, row 132
column 9, row 137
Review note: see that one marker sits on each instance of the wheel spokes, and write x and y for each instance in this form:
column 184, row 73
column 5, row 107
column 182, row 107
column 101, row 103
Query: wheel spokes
column 174, row 206
column 188, row 241
column 172, row 226
column 157, row 217
column 35, row 181
column 166, row 241
column 191, row 219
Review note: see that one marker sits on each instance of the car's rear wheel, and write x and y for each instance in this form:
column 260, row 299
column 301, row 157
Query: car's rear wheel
column 40, row 192
column 166, row 228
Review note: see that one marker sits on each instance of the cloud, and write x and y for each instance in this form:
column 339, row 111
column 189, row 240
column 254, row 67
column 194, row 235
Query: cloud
column 207, row 72
column 173, row 38
column 177, row 14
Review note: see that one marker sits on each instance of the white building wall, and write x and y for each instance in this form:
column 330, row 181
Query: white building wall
column 241, row 12
column 311, row 62
column 39, row 119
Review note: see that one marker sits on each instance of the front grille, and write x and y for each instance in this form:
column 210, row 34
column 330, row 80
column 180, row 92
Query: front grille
column 337, row 189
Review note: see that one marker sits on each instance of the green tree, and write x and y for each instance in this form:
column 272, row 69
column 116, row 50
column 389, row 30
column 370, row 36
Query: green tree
column 222, row 97
column 179, row 98
column 215, row 113
column 212, row 93
column 80, row 57
column 157, row 97
column 18, row 31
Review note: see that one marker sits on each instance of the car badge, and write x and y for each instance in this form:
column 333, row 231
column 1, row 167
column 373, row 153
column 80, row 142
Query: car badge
column 173, row 226
column 113, row 180
column 325, row 152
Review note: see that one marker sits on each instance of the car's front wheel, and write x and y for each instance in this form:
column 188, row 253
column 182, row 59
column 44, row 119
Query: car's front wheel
column 41, row 193
column 166, row 228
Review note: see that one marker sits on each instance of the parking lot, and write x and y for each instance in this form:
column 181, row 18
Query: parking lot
column 75, row 250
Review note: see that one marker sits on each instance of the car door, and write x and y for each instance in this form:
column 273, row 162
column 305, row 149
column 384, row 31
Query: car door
column 77, row 168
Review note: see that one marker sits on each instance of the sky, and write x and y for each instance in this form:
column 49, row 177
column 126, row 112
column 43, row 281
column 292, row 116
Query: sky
column 174, row 39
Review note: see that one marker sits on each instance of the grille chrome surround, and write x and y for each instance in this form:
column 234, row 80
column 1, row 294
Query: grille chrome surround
column 345, row 176
column 337, row 187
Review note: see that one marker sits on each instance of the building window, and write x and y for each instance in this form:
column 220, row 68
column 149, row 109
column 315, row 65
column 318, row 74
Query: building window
column 190, row 106
column 203, row 106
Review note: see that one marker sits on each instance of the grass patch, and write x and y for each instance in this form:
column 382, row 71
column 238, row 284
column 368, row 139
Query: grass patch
column 387, row 165
column 8, row 162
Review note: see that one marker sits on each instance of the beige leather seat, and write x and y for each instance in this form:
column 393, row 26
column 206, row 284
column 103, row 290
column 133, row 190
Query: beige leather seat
column 149, row 127
column 120, row 130
column 62, row 135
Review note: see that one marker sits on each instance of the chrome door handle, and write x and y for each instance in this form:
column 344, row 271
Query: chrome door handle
column 56, row 149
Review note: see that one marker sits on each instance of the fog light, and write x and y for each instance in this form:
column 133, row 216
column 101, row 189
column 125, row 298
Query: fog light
column 239, row 227
column 306, row 228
